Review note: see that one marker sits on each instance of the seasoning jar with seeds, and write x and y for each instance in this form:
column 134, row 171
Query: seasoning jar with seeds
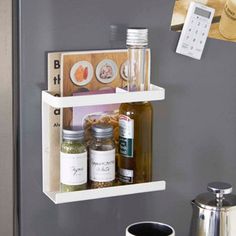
column 102, row 156
column 73, row 161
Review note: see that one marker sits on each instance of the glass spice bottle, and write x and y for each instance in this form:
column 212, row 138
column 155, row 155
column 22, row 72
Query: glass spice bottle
column 102, row 157
column 136, row 118
column 137, row 44
column 73, row 161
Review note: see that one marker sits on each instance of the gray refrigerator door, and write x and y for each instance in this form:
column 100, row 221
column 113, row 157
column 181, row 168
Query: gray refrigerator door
column 7, row 140
column 194, row 132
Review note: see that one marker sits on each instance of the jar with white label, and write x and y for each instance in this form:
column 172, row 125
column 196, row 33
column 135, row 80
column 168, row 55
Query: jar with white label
column 73, row 161
column 102, row 156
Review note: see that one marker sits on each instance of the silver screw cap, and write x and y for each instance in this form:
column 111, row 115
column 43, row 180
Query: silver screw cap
column 70, row 134
column 137, row 37
column 102, row 130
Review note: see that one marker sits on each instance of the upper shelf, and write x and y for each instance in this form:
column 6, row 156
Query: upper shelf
column 154, row 94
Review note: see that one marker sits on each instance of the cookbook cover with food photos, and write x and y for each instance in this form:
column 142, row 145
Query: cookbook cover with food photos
column 223, row 26
column 93, row 71
column 90, row 72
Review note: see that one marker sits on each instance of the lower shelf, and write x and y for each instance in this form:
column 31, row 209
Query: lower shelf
column 58, row 197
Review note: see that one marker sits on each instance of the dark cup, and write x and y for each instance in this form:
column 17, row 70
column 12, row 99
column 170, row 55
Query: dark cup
column 149, row 228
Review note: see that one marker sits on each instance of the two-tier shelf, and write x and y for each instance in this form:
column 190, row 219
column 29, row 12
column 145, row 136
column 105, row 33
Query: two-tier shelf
column 121, row 96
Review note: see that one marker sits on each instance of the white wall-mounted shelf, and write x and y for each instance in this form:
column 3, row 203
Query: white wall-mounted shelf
column 51, row 164
column 89, row 194
column 156, row 93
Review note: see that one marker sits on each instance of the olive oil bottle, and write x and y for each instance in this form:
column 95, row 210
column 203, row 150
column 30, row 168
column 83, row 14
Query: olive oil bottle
column 135, row 120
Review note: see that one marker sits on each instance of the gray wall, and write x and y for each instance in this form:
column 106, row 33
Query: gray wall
column 195, row 127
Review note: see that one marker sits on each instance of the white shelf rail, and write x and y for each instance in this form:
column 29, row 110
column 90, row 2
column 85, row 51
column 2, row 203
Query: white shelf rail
column 154, row 94
column 99, row 193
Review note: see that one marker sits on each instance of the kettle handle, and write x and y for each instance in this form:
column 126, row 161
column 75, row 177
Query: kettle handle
column 220, row 189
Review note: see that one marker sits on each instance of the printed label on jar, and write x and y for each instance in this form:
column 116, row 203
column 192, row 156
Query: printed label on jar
column 126, row 176
column 73, row 168
column 126, row 138
column 102, row 165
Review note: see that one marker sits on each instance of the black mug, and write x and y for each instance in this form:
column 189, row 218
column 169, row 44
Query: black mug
column 149, row 228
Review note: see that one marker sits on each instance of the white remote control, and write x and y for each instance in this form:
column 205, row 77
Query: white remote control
column 195, row 30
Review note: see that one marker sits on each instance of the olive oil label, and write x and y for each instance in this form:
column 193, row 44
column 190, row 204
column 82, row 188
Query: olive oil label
column 73, row 168
column 102, row 165
column 126, row 138
column 126, row 176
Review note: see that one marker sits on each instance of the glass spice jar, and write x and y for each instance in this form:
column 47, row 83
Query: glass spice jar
column 102, row 156
column 73, row 161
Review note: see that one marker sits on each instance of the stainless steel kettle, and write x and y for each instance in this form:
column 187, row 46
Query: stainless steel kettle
column 214, row 213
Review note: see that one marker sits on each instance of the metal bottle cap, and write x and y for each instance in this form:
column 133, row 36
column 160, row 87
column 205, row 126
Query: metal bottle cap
column 137, row 37
column 102, row 130
column 76, row 134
